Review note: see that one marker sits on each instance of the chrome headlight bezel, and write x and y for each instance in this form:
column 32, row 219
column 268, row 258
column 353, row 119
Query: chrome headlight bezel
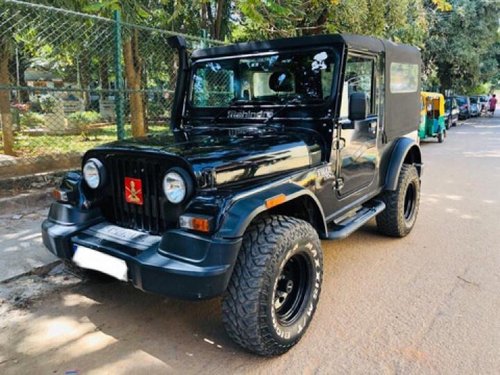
column 94, row 173
column 177, row 185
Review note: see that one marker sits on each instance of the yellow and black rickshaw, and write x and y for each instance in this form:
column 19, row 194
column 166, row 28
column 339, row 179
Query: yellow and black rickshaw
column 432, row 122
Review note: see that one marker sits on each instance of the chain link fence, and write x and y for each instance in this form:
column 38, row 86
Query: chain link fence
column 70, row 81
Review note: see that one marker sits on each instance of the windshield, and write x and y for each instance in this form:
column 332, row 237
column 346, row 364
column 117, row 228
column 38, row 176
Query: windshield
column 271, row 79
column 473, row 100
column 461, row 100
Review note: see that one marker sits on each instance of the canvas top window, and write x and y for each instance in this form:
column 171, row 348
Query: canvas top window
column 270, row 79
column 404, row 78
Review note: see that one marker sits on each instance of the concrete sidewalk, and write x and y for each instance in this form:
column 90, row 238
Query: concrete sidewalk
column 21, row 247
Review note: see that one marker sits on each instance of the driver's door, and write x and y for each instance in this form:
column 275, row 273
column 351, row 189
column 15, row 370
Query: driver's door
column 358, row 152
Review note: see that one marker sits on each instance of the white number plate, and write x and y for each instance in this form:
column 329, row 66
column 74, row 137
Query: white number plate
column 97, row 261
column 124, row 235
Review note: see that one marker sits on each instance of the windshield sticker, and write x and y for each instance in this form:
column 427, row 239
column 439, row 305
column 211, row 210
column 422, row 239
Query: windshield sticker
column 198, row 82
column 319, row 61
column 215, row 67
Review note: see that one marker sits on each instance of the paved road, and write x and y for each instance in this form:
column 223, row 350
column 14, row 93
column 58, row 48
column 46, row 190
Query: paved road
column 21, row 241
column 429, row 303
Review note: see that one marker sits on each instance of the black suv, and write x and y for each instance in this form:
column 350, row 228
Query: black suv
column 273, row 145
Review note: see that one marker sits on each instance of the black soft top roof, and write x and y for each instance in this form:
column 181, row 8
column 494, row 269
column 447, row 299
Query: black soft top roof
column 357, row 42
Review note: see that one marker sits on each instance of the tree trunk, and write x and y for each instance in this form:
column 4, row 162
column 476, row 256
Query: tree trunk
column 85, row 70
column 133, row 74
column 5, row 115
column 221, row 4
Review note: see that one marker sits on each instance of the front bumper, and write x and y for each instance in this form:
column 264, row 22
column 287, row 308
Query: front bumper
column 178, row 264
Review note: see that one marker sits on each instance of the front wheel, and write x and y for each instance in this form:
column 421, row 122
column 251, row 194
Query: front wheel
column 400, row 214
column 275, row 286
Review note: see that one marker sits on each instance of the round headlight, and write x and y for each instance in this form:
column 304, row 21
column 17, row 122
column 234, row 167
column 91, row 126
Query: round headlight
column 93, row 173
column 175, row 186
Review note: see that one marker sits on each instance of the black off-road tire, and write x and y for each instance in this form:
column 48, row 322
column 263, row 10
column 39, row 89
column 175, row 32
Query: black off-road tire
column 400, row 214
column 262, row 310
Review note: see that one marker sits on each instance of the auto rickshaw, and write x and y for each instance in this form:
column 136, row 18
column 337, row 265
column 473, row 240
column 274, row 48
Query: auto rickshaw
column 432, row 123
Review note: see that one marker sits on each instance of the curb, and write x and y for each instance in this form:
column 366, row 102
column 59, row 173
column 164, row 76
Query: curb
column 25, row 201
column 39, row 271
column 31, row 182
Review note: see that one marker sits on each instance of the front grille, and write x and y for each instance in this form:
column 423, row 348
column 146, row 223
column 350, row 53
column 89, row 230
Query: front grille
column 148, row 217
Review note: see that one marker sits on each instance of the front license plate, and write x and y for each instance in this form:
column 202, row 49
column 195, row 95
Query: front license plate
column 97, row 261
column 118, row 233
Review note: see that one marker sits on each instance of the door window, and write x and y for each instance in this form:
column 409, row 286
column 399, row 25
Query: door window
column 358, row 78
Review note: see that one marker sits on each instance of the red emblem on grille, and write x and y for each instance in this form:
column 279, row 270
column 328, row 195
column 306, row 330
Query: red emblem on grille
column 133, row 190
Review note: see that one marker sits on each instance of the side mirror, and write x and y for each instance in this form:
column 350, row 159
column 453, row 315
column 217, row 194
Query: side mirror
column 358, row 106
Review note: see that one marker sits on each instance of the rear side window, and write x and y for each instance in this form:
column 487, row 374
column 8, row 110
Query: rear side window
column 404, row 78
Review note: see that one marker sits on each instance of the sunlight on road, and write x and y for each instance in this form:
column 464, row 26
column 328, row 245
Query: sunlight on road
column 483, row 154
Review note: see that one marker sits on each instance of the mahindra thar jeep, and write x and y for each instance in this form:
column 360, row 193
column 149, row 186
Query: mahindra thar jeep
column 273, row 146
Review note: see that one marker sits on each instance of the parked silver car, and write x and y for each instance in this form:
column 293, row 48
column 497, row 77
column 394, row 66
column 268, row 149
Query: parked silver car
column 475, row 109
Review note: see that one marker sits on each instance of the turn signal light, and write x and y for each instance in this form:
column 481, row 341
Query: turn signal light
column 198, row 223
column 274, row 201
column 60, row 195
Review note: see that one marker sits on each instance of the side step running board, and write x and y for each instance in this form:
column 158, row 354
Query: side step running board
column 349, row 225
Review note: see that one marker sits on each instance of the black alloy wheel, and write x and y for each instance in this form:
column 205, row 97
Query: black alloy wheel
column 410, row 201
column 292, row 287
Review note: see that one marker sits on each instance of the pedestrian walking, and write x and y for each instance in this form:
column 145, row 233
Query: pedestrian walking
column 493, row 104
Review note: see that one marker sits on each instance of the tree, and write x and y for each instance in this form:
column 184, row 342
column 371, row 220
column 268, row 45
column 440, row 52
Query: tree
column 461, row 44
column 276, row 18
column 6, row 54
column 402, row 20
column 185, row 17
column 191, row 17
column 131, row 11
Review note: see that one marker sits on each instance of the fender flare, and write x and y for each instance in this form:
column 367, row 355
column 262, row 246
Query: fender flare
column 247, row 206
column 408, row 150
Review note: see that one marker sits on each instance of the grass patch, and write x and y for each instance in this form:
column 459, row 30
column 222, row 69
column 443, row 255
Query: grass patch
column 34, row 146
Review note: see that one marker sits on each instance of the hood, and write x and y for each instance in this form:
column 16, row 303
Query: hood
column 217, row 158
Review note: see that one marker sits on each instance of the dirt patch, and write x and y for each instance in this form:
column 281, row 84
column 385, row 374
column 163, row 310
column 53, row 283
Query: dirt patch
column 22, row 292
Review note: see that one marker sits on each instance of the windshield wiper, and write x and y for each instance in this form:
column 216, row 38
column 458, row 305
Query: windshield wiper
column 295, row 100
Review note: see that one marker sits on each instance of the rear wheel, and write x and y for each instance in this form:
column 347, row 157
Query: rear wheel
column 399, row 217
column 441, row 136
column 275, row 286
